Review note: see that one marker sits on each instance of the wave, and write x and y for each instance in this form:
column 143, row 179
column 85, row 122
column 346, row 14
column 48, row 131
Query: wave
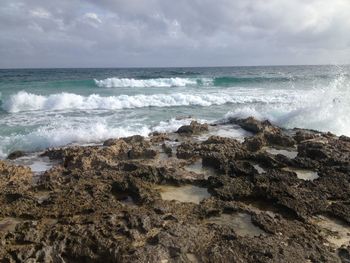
column 24, row 101
column 324, row 109
column 147, row 82
column 64, row 133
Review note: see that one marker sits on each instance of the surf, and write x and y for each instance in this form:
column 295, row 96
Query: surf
column 24, row 101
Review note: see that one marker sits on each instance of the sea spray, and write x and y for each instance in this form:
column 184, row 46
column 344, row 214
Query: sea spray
column 324, row 109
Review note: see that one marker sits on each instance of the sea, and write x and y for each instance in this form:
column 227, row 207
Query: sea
column 41, row 108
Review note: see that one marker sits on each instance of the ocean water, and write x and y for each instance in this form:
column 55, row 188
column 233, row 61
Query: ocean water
column 42, row 108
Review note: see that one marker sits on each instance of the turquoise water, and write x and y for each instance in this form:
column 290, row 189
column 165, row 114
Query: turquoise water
column 52, row 107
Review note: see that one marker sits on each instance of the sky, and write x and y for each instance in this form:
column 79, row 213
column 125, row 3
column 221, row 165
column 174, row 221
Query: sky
column 170, row 33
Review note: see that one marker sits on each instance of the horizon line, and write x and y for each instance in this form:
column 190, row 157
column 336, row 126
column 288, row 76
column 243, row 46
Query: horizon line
column 170, row 67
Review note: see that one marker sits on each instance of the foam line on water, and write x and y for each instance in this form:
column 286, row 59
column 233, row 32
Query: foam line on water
column 60, row 134
column 145, row 83
column 24, row 101
column 218, row 81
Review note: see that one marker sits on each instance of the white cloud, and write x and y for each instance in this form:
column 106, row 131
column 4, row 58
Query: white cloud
column 40, row 13
column 92, row 19
column 173, row 33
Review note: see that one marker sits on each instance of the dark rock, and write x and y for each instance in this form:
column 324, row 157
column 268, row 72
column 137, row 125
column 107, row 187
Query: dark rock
column 15, row 155
column 167, row 150
column 279, row 139
column 255, row 126
column 194, row 128
column 254, row 143
column 304, row 135
column 344, row 254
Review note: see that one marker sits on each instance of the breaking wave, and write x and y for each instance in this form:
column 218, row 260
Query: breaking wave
column 64, row 133
column 324, row 109
column 24, row 101
column 145, row 83
column 183, row 82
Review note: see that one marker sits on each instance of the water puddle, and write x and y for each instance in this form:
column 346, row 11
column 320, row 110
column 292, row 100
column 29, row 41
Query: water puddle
column 241, row 223
column 124, row 198
column 336, row 232
column 227, row 131
column 259, row 168
column 36, row 163
column 164, row 152
column 198, row 168
column 162, row 155
column 8, row 224
column 49, row 221
column 303, row 174
column 263, row 207
column 186, row 193
column 192, row 258
column 288, row 153
column 42, row 196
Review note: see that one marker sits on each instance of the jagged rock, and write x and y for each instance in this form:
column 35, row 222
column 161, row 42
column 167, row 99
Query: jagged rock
column 255, row 126
column 105, row 203
column 254, row 143
column 157, row 137
column 279, row 139
column 13, row 175
column 303, row 135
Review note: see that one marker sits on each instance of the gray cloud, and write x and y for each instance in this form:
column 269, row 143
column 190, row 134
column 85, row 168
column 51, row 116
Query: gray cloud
column 98, row 33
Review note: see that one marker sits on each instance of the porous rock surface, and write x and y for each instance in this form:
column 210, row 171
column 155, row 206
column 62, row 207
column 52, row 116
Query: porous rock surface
column 103, row 203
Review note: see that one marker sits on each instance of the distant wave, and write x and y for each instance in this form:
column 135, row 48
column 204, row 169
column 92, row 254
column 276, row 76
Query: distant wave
column 226, row 81
column 144, row 83
column 24, row 101
column 183, row 82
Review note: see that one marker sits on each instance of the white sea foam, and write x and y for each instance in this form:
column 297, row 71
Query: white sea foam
column 37, row 124
column 325, row 109
column 66, row 133
column 145, row 83
column 23, row 101
column 60, row 134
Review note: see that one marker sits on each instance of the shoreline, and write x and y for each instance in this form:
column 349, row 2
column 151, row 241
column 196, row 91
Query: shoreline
column 280, row 195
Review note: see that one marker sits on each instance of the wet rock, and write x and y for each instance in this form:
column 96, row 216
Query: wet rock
column 330, row 151
column 344, row 254
column 194, row 128
column 344, row 138
column 254, row 143
column 255, row 126
column 279, row 139
column 16, row 154
column 157, row 137
column 167, row 150
column 186, row 150
column 304, row 135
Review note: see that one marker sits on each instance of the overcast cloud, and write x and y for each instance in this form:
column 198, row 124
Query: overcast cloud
column 124, row 33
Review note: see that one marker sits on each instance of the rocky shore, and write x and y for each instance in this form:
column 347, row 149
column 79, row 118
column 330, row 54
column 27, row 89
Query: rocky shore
column 277, row 196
